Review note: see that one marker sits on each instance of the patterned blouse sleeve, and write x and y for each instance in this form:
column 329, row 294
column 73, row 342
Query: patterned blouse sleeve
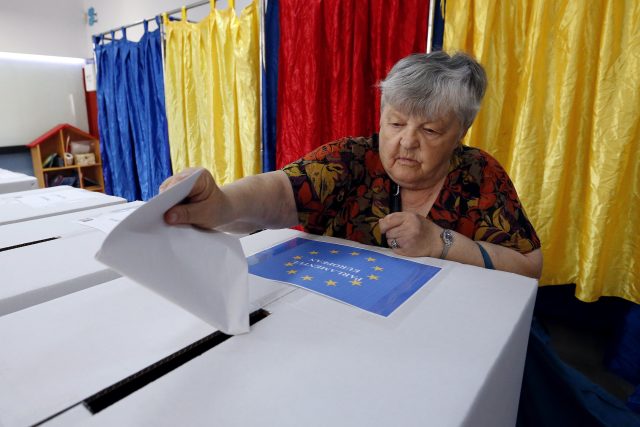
column 500, row 216
column 318, row 181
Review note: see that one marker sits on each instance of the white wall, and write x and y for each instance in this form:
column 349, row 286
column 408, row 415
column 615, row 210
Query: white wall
column 43, row 27
column 37, row 96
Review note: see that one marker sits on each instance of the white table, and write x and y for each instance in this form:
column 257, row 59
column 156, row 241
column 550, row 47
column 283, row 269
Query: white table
column 452, row 355
column 14, row 181
column 32, row 204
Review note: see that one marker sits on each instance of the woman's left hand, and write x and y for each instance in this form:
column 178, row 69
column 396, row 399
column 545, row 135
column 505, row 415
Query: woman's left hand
column 414, row 235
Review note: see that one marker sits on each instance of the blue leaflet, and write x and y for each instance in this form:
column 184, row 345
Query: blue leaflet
column 365, row 279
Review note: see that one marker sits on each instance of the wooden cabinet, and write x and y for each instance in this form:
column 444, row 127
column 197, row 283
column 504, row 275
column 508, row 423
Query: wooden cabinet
column 66, row 155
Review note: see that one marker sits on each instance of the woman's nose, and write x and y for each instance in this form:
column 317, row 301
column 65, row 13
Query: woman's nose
column 409, row 139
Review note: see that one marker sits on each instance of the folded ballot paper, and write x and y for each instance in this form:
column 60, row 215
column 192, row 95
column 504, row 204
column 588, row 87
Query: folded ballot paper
column 203, row 271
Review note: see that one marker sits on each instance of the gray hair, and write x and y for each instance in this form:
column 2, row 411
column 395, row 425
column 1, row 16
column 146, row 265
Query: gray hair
column 435, row 84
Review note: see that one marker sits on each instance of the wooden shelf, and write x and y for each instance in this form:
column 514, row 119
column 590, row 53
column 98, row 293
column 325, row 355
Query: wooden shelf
column 56, row 143
column 61, row 168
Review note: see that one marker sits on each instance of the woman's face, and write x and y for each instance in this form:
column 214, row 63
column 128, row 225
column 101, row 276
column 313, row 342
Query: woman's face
column 415, row 151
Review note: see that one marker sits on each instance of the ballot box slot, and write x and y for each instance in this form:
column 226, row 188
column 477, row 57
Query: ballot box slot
column 35, row 242
column 107, row 397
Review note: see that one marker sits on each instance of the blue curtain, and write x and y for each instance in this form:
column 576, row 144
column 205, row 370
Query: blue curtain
column 554, row 394
column 131, row 116
column 270, row 85
column 624, row 358
column 438, row 25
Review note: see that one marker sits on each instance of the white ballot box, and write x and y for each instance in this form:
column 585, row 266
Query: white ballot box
column 28, row 205
column 11, row 182
column 451, row 355
column 60, row 352
column 40, row 272
column 46, row 258
column 52, row 227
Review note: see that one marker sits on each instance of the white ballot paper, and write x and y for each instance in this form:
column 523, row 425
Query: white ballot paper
column 203, row 271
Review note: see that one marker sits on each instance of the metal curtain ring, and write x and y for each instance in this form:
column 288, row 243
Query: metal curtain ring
column 393, row 244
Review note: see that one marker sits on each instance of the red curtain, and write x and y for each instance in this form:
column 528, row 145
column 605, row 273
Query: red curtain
column 91, row 98
column 332, row 54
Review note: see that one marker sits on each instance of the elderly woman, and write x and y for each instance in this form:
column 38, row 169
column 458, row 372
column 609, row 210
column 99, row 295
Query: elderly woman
column 414, row 186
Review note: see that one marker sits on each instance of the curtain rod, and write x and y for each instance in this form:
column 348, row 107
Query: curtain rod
column 104, row 33
column 140, row 22
column 432, row 11
column 191, row 6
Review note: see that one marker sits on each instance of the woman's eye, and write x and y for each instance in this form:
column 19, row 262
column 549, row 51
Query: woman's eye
column 396, row 124
column 430, row 131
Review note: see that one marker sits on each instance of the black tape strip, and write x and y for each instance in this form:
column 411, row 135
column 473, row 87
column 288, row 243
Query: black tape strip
column 112, row 394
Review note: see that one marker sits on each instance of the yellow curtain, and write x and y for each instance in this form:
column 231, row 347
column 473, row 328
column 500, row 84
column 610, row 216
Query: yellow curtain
column 212, row 84
column 562, row 114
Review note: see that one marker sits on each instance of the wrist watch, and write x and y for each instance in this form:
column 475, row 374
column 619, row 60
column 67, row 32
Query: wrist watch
column 447, row 239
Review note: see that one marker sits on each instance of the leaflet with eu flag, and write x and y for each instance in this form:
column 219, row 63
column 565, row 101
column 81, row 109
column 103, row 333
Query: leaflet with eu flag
column 369, row 280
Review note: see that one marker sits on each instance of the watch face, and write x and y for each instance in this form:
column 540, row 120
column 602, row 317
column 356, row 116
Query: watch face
column 447, row 237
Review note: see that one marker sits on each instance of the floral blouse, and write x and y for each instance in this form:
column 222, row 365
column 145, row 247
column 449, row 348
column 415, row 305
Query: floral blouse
column 342, row 190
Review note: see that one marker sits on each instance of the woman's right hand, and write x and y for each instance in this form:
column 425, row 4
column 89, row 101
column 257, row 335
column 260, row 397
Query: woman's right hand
column 204, row 206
